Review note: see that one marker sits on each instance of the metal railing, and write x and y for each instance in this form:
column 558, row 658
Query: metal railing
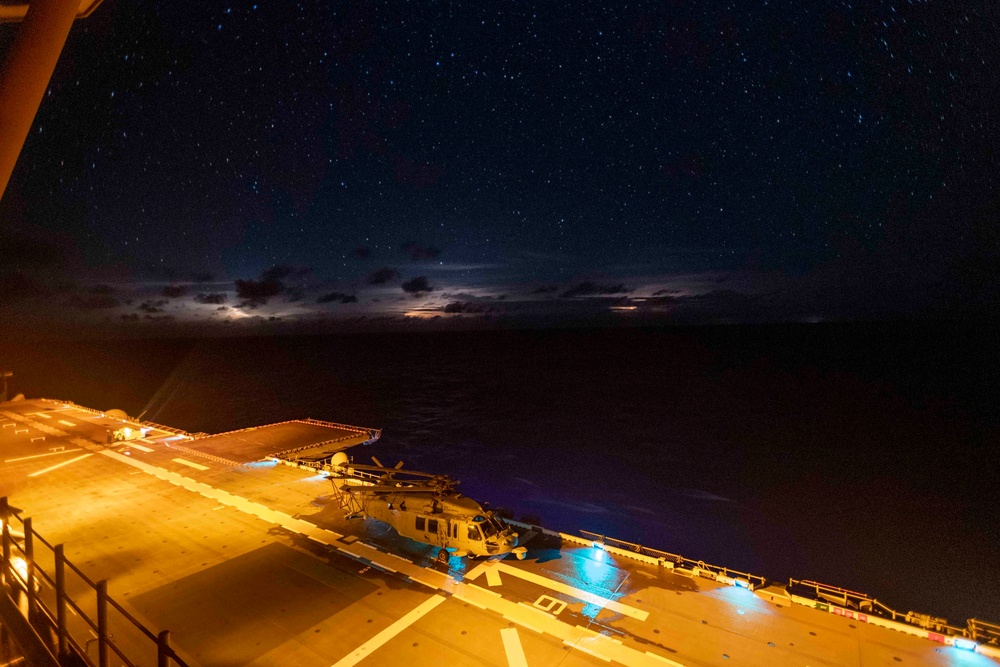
column 46, row 588
column 677, row 559
column 983, row 632
column 980, row 631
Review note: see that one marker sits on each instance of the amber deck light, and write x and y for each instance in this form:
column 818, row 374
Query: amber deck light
column 28, row 67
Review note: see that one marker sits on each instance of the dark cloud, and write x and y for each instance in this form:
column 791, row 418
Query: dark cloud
column 93, row 301
column 663, row 300
column 150, row 307
column 417, row 285
column 257, row 292
column 545, row 289
column 16, row 286
column 418, row 252
column 469, row 308
column 202, row 277
column 174, row 291
column 666, row 292
column 28, row 253
column 211, row 298
column 337, row 297
column 382, row 276
column 362, row 252
column 588, row 288
column 276, row 273
column 130, row 317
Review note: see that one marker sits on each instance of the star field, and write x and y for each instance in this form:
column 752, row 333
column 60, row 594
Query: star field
column 718, row 160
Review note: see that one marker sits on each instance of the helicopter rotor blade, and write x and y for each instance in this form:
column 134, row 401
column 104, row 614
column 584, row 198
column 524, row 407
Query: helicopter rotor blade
column 377, row 462
column 399, row 465
column 415, row 473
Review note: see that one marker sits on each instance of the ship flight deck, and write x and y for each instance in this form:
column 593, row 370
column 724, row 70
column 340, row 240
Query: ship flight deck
column 247, row 561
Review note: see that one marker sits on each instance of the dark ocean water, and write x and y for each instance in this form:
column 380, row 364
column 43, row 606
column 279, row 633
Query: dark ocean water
column 864, row 456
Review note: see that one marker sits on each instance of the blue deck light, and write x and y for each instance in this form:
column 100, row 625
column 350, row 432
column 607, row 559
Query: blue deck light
column 965, row 644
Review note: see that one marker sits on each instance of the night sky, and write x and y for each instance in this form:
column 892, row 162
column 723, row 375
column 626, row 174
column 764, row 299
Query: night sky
column 326, row 163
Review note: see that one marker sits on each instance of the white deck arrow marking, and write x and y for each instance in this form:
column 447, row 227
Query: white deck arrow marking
column 512, row 647
column 493, row 576
column 381, row 638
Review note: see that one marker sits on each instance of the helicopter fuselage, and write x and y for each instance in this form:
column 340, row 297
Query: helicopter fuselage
column 423, row 507
column 455, row 523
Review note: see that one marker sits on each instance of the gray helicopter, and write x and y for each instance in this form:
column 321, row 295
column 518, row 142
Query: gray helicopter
column 421, row 506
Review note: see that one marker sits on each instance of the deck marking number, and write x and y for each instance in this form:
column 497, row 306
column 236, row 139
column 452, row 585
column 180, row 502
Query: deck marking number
column 548, row 603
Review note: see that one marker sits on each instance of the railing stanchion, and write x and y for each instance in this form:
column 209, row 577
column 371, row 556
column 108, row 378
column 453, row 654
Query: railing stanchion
column 61, row 632
column 163, row 649
column 102, row 623
column 29, row 556
column 5, row 520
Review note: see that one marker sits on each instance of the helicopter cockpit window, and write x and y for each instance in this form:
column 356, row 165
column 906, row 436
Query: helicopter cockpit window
column 474, row 534
column 420, row 523
column 489, row 530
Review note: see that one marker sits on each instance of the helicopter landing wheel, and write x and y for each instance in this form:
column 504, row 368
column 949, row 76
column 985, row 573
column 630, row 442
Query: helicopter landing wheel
column 442, row 556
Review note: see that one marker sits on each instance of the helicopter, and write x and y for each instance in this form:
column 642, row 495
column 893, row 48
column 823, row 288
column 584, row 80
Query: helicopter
column 423, row 507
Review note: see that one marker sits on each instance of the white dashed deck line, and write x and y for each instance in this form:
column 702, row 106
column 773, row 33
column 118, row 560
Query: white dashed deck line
column 59, row 465
column 390, row 632
column 467, row 600
column 42, row 415
column 523, row 622
column 588, row 650
column 189, row 464
column 488, row 592
column 139, row 447
column 512, row 647
column 38, row 456
column 66, row 423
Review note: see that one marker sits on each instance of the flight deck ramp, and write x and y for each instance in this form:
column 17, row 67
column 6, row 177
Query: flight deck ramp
column 298, row 439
